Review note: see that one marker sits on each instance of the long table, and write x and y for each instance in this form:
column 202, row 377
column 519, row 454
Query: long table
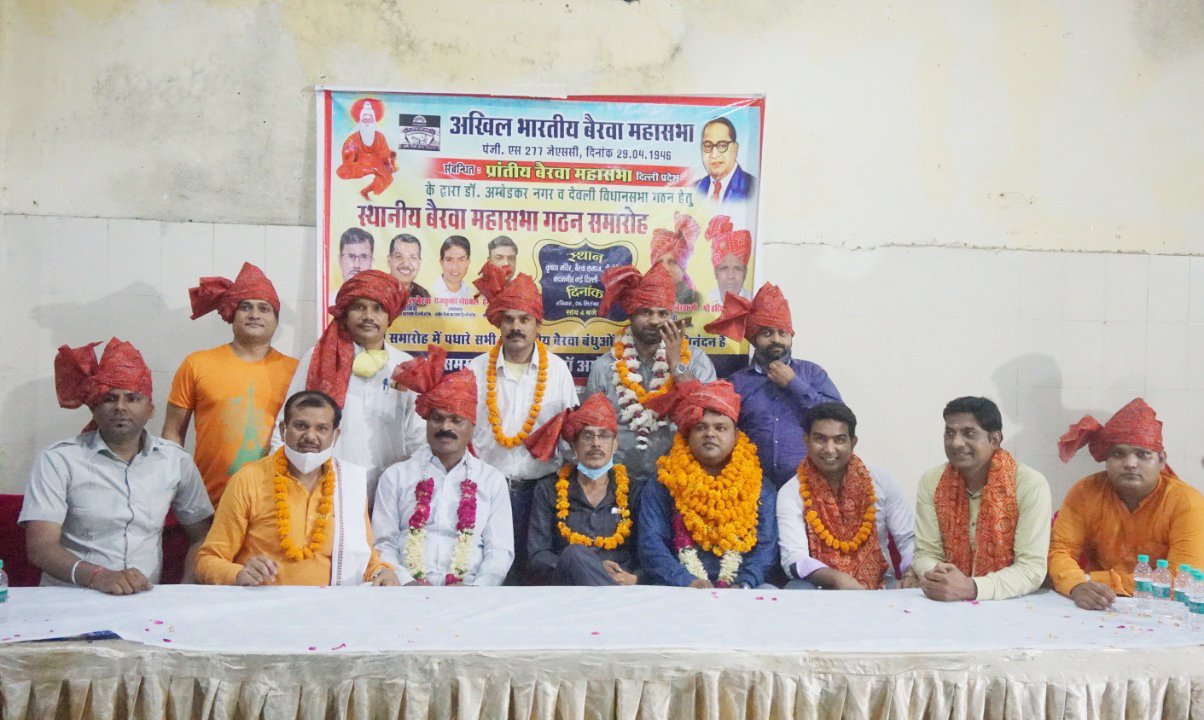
column 643, row 652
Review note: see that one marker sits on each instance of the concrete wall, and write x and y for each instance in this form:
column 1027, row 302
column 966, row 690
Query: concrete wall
column 945, row 183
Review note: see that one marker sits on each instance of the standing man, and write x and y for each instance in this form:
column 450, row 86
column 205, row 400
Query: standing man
column 775, row 389
column 443, row 516
column 503, row 252
column 353, row 364
column 233, row 390
column 731, row 250
column 982, row 519
column 95, row 504
column 520, row 385
column 709, row 519
column 454, row 256
column 673, row 249
column 405, row 259
column 317, row 534
column 838, row 517
column 647, row 360
column 726, row 181
column 1135, row 505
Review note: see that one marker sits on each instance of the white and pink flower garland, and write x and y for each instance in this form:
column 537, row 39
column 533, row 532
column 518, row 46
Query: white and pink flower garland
column 687, row 555
column 632, row 413
column 466, row 521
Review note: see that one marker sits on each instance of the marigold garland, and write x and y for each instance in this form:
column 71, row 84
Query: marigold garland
column 622, row 484
column 317, row 538
column 495, row 416
column 719, row 513
column 623, row 374
column 846, row 545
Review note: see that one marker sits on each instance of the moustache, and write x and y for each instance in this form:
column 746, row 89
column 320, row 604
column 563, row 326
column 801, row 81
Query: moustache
column 516, row 335
column 446, row 435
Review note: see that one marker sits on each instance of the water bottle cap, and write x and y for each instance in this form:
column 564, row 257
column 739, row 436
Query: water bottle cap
column 1163, row 563
column 1143, row 558
column 1198, row 574
column 1184, row 567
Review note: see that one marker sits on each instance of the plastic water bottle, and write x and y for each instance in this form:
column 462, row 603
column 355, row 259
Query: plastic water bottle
column 1161, row 604
column 1142, row 583
column 1183, row 584
column 3, row 593
column 1197, row 600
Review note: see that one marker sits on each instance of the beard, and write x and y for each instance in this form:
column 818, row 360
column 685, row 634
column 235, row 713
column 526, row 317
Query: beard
column 771, row 353
column 368, row 133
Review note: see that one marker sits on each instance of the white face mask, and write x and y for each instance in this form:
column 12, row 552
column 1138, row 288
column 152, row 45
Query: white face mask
column 307, row 462
column 595, row 473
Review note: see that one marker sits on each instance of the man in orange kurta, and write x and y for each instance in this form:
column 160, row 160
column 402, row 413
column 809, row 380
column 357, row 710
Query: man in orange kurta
column 366, row 151
column 298, row 516
column 1136, row 505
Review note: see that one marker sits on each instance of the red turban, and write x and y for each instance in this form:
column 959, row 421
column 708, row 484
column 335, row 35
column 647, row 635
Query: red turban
column 218, row 293
column 725, row 240
column 454, row 393
column 743, row 320
column 678, row 242
column 626, row 286
column 501, row 294
column 1134, row 424
column 596, row 411
column 330, row 365
column 80, row 380
column 686, row 403
column 357, row 107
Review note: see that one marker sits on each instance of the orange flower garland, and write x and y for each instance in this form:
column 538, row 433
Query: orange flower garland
column 562, row 511
column 720, row 513
column 624, row 374
column 495, row 416
column 847, row 545
column 317, row 538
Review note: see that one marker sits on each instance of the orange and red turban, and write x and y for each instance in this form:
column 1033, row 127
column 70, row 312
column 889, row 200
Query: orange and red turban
column 596, row 411
column 80, row 380
column 357, row 107
column 218, row 293
column 724, row 240
column 454, row 393
column 678, row 242
column 502, row 294
column 1134, row 424
column 330, row 366
column 743, row 319
column 632, row 291
column 687, row 402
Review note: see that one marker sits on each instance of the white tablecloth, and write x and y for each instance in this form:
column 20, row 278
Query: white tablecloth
column 576, row 652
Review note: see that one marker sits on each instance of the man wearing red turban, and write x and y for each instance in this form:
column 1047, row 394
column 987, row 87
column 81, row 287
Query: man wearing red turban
column 233, row 390
column 1137, row 505
column 520, row 383
column 777, row 389
column 709, row 520
column 731, row 250
column 366, row 151
column 94, row 508
column 353, row 364
column 442, row 517
column 650, row 355
column 672, row 249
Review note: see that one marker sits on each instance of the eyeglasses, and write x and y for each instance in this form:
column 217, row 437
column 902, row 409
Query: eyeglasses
column 721, row 146
column 590, row 436
column 357, row 258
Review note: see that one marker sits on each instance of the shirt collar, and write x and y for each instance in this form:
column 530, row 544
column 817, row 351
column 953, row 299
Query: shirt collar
column 95, row 443
column 437, row 464
column 756, row 366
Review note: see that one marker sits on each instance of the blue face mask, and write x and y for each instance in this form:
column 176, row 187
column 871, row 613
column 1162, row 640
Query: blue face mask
column 595, row 474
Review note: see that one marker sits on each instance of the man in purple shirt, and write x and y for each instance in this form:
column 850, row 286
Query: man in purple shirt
column 775, row 389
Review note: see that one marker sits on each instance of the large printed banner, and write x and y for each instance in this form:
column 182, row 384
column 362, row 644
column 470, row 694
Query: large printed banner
column 429, row 187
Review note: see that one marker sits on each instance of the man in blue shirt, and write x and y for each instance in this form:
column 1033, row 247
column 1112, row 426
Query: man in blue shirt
column 775, row 390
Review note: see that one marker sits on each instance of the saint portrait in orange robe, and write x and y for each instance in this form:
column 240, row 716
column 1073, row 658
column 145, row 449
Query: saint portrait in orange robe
column 366, row 152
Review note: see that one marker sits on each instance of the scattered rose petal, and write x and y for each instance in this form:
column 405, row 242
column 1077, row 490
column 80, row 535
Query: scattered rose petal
column 166, row 639
column 759, row 597
column 973, row 602
column 595, row 632
column 907, row 611
column 1120, row 627
column 312, row 647
column 157, row 622
column 774, row 599
column 340, row 646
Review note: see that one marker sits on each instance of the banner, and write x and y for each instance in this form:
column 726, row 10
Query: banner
column 429, row 187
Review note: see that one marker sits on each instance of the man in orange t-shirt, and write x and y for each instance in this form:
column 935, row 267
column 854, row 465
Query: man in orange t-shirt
column 234, row 390
column 1136, row 505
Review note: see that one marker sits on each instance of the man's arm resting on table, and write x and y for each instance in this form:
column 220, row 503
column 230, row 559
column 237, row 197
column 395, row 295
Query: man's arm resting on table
column 45, row 551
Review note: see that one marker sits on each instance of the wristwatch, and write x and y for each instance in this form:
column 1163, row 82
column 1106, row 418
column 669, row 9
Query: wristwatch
column 680, row 369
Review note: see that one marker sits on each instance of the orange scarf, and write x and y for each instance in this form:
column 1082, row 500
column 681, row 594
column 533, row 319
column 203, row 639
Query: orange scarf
column 995, row 534
column 843, row 518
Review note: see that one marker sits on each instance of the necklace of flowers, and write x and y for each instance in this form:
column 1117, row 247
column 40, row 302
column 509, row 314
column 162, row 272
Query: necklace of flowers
column 632, row 394
column 317, row 537
column 495, row 416
column 847, row 545
column 562, row 511
column 687, row 555
column 466, row 521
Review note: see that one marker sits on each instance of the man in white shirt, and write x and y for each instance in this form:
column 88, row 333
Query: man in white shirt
column 520, row 386
column 859, row 512
column 353, row 364
column 443, row 516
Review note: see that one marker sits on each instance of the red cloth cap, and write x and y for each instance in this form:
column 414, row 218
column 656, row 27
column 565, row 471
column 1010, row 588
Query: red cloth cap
column 80, row 380
column 1134, row 424
column 454, row 393
column 218, row 293
column 687, row 402
column 742, row 319
column 678, row 242
column 502, row 294
column 725, row 240
column 330, row 364
column 378, row 108
column 632, row 291
column 596, row 411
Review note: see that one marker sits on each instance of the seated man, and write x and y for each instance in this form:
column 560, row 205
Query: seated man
column 581, row 520
column 982, row 519
column 1136, row 505
column 317, row 534
column 95, row 505
column 443, row 515
column 709, row 520
column 838, row 517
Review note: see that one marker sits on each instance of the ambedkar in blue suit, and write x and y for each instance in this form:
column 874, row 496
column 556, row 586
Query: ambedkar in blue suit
column 719, row 152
